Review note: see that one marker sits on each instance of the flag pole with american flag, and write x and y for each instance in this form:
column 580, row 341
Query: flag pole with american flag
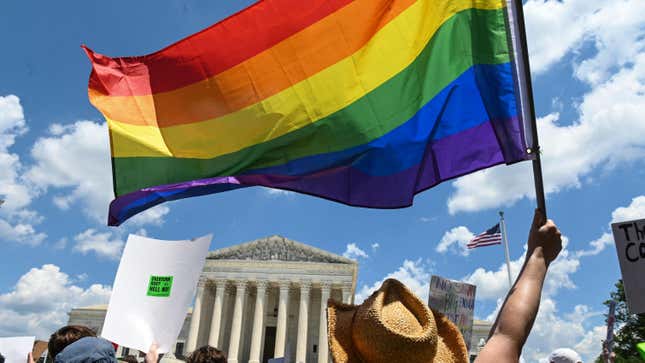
column 494, row 236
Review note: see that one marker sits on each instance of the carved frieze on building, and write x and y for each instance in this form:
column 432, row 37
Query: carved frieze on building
column 277, row 248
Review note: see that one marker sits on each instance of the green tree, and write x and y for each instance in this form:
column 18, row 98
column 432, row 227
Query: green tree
column 630, row 328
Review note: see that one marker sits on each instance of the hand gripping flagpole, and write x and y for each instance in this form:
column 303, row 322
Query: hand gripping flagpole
column 502, row 225
column 524, row 74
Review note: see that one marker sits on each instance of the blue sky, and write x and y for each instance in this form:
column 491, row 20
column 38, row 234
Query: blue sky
column 588, row 60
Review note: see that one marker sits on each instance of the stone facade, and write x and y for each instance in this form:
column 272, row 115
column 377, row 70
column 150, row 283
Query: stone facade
column 481, row 329
column 262, row 299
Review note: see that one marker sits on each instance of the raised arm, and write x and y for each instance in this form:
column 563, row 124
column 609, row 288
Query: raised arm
column 516, row 317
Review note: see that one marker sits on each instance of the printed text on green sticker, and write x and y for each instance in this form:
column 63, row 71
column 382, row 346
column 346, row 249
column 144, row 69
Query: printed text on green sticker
column 160, row 286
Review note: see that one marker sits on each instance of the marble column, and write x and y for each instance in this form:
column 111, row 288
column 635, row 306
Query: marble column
column 303, row 319
column 236, row 328
column 216, row 322
column 281, row 329
column 258, row 321
column 193, row 332
column 323, row 347
column 347, row 293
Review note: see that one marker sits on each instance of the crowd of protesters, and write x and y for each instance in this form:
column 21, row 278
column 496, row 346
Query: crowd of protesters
column 392, row 325
column 79, row 344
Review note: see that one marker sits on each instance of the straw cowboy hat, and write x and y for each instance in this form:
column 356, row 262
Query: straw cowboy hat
column 392, row 326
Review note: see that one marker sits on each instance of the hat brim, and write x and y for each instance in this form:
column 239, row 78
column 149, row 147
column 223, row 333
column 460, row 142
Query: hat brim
column 451, row 347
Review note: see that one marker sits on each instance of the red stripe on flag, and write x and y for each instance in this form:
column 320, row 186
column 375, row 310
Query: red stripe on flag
column 210, row 51
column 484, row 244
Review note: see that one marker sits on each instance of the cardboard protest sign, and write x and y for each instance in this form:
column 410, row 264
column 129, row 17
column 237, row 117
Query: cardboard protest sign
column 16, row 349
column 456, row 300
column 153, row 288
column 630, row 247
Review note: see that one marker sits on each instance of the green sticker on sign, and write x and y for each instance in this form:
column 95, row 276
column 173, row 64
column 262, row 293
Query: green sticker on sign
column 160, row 286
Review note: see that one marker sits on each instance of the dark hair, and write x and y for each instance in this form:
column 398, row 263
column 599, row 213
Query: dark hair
column 1, row 358
column 207, row 354
column 130, row 359
column 66, row 336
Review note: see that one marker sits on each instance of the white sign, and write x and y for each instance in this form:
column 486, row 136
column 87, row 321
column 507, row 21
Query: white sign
column 16, row 349
column 630, row 246
column 153, row 288
column 456, row 300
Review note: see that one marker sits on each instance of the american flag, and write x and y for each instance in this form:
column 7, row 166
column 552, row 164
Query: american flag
column 492, row 236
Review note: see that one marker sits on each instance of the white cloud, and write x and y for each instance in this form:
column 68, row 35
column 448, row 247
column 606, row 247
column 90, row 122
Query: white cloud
column 414, row 274
column 375, row 246
column 102, row 244
column 493, row 285
column 60, row 244
column 352, row 251
column 635, row 210
column 579, row 21
column 77, row 157
column 598, row 245
column 427, row 219
column 16, row 220
column 41, row 299
column 21, row 233
column 12, row 121
column 607, row 131
column 153, row 216
column 553, row 330
column 272, row 192
column 459, row 236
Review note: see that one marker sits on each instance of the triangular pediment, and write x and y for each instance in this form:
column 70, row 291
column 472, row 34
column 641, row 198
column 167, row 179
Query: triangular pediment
column 277, row 248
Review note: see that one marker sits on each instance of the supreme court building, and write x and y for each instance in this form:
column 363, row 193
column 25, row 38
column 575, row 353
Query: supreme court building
column 267, row 298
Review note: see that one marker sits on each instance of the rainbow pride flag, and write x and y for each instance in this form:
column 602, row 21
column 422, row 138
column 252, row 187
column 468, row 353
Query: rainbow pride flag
column 363, row 102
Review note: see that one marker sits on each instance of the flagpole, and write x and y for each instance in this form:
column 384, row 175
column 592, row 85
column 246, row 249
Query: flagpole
column 502, row 224
column 535, row 150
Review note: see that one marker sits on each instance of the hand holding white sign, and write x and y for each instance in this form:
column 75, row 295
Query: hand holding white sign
column 153, row 288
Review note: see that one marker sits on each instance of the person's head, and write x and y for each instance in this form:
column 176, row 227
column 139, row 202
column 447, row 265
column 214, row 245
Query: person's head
column 87, row 350
column 1, row 358
column 206, row 354
column 564, row 355
column 66, row 336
